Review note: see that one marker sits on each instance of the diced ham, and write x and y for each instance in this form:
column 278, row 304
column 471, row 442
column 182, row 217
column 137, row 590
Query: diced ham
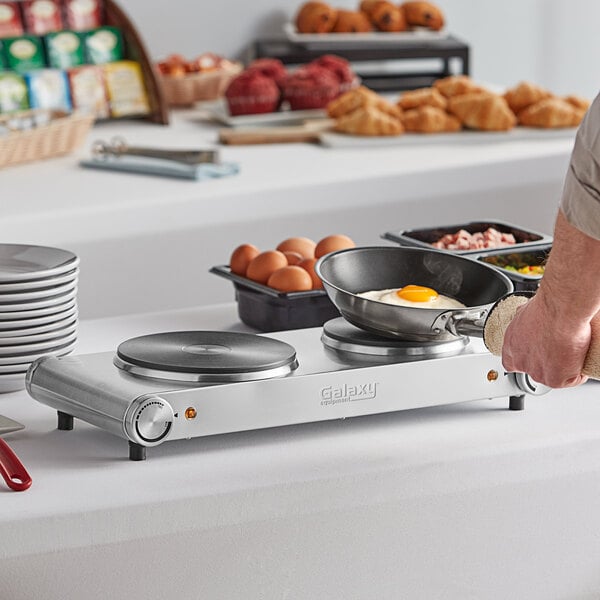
column 463, row 240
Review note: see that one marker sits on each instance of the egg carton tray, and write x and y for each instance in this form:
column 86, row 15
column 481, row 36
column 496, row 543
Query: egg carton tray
column 267, row 309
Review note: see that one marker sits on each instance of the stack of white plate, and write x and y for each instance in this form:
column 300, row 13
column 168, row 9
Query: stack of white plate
column 38, row 308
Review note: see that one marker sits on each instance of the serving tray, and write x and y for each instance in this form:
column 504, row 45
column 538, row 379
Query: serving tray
column 366, row 39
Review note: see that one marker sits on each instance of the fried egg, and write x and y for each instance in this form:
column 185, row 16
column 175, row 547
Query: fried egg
column 413, row 296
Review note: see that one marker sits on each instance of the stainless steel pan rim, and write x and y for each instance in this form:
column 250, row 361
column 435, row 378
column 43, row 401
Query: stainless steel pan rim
column 346, row 273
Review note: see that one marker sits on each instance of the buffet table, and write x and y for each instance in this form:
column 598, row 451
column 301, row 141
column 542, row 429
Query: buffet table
column 469, row 501
column 146, row 243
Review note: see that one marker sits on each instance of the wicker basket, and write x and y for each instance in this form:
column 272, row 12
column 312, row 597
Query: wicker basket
column 63, row 134
column 192, row 88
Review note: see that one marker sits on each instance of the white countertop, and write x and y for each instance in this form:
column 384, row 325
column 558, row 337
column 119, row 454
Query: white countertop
column 463, row 501
column 57, row 199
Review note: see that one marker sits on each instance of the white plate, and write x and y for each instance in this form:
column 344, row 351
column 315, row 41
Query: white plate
column 24, row 352
column 220, row 113
column 37, row 284
column 22, row 367
column 343, row 140
column 11, row 382
column 55, row 325
column 6, row 310
column 20, row 262
column 16, row 342
column 42, row 317
column 26, row 295
column 370, row 38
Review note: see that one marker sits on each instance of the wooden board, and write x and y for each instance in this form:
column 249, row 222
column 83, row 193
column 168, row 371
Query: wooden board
column 309, row 132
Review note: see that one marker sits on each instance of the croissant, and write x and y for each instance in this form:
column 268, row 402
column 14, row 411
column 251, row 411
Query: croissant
column 358, row 98
column 429, row 119
column 578, row 102
column 455, row 85
column 551, row 113
column 422, row 97
column 486, row 111
column 369, row 120
column 525, row 94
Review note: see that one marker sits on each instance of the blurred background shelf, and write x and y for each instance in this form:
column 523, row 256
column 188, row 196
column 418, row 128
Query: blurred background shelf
column 385, row 67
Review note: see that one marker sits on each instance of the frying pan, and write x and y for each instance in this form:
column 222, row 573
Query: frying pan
column 346, row 273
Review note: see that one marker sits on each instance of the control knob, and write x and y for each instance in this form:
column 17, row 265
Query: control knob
column 149, row 420
column 528, row 385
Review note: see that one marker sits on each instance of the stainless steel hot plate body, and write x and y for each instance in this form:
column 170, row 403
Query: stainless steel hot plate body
column 326, row 385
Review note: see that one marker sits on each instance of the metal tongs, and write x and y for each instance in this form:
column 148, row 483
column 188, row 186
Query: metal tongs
column 118, row 147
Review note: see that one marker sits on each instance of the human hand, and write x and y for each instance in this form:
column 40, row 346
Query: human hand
column 546, row 344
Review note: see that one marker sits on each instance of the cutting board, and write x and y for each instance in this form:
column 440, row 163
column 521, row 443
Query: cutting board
column 310, row 132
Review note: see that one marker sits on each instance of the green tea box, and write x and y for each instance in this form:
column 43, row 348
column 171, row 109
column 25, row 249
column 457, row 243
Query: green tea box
column 65, row 49
column 104, row 45
column 24, row 53
column 13, row 92
column 2, row 58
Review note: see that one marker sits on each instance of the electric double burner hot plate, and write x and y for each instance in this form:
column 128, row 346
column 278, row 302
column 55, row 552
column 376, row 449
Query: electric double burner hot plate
column 181, row 385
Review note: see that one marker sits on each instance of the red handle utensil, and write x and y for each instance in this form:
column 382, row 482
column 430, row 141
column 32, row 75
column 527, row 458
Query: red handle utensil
column 12, row 470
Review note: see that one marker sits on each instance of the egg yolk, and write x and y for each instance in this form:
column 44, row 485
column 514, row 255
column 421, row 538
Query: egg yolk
column 417, row 293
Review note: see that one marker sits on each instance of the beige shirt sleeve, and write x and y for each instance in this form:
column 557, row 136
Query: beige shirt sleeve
column 580, row 200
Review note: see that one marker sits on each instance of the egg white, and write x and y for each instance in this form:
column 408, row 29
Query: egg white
column 391, row 297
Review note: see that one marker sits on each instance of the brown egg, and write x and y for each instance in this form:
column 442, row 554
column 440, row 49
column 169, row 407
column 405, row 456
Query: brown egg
column 290, row 279
column 301, row 245
column 308, row 264
column 261, row 267
column 241, row 257
column 293, row 258
column 331, row 243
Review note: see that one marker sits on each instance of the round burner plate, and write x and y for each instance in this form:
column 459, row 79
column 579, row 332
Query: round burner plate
column 342, row 336
column 206, row 356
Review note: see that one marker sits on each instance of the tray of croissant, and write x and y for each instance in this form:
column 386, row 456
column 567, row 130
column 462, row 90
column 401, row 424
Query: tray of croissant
column 454, row 109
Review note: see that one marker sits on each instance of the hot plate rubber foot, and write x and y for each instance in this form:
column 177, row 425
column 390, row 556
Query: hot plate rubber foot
column 516, row 402
column 65, row 421
column 137, row 452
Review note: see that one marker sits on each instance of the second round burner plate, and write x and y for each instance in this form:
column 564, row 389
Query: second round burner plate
column 342, row 336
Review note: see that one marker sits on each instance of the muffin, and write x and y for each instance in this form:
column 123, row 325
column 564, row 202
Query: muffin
column 252, row 93
column 316, row 17
column 388, row 17
column 270, row 67
column 340, row 67
column 350, row 21
column 310, row 87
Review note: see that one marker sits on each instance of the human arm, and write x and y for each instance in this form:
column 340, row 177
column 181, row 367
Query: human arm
column 549, row 337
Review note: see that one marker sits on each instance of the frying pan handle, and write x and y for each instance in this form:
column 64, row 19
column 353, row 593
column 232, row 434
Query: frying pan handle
column 462, row 322
column 503, row 312
column 12, row 470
